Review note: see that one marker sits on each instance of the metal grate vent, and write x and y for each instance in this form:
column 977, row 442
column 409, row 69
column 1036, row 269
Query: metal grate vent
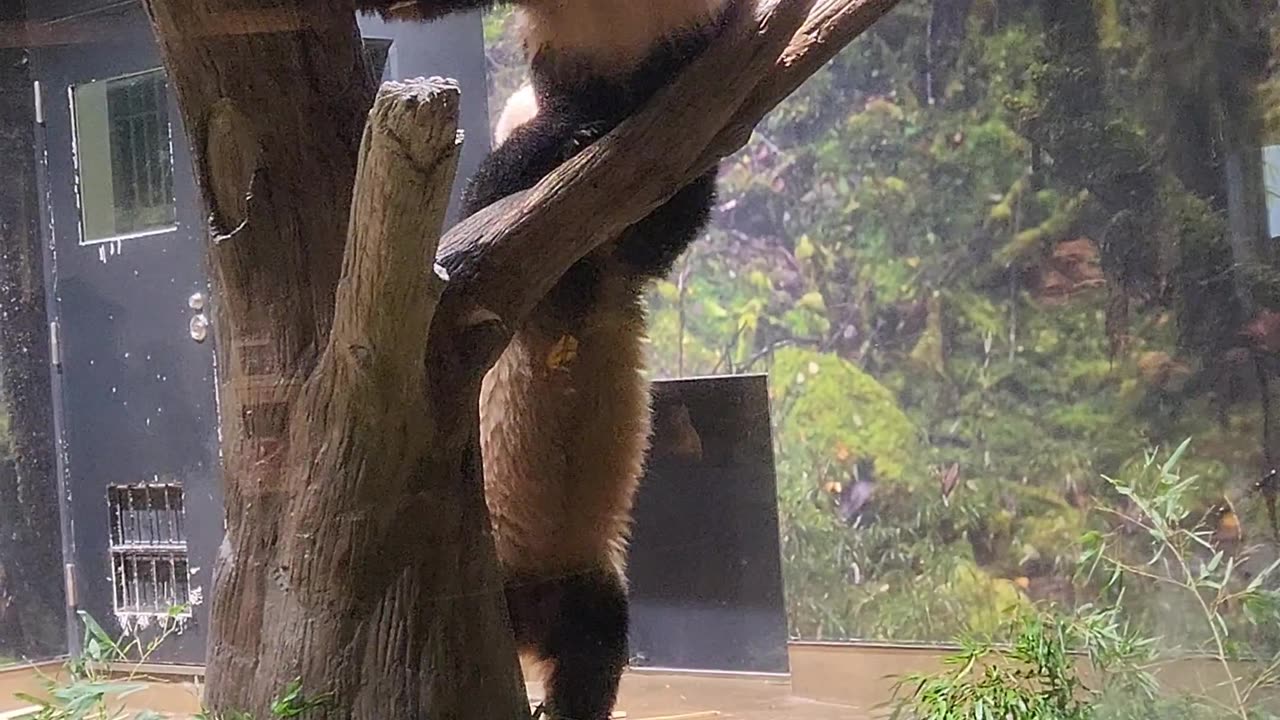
column 149, row 567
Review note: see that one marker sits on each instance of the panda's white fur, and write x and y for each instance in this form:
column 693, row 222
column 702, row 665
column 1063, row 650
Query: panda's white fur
column 521, row 107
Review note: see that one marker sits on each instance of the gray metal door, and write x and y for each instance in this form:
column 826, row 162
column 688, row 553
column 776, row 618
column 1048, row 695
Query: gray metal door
column 134, row 383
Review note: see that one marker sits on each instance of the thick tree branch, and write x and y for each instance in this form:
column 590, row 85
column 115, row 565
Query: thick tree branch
column 707, row 114
column 246, row 118
column 388, row 291
column 830, row 26
column 274, row 122
column 369, row 382
column 380, row 584
column 357, row 553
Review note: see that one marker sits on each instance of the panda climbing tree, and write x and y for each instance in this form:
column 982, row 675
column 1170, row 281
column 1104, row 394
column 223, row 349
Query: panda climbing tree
column 564, row 413
column 356, row 340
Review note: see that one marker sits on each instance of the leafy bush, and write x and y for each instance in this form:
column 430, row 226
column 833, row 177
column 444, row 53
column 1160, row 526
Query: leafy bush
column 1162, row 564
column 1035, row 678
column 91, row 689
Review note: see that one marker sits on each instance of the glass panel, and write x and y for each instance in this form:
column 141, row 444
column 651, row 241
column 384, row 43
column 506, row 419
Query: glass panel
column 1271, row 167
column 124, row 159
column 992, row 256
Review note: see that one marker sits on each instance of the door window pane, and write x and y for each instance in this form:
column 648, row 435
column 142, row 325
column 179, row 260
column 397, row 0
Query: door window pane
column 124, row 156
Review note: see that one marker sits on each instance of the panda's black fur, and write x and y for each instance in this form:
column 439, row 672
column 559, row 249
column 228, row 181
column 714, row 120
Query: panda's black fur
column 565, row 410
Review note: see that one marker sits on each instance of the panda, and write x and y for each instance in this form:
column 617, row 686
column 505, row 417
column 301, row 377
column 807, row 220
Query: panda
column 564, row 414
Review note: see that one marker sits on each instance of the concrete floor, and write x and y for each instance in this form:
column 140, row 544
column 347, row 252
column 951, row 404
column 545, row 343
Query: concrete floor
column 651, row 696
column 829, row 681
column 645, row 694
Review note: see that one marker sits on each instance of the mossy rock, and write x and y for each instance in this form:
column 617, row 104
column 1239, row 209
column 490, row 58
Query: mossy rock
column 831, row 407
column 991, row 601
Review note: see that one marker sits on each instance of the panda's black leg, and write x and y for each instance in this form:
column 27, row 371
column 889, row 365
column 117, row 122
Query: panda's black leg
column 529, row 154
column 652, row 246
column 587, row 647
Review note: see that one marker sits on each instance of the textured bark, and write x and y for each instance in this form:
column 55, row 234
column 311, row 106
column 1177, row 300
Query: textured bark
column 32, row 598
column 383, row 568
column 342, row 564
column 358, row 553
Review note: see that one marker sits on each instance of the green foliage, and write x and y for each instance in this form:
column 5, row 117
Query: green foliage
column 92, row 690
column 1002, row 242
column 291, row 703
column 108, row 670
column 1035, row 678
column 1170, row 567
column 833, row 404
column 1212, row 606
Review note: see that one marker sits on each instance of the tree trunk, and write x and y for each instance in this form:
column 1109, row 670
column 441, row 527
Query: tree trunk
column 33, row 620
column 358, row 553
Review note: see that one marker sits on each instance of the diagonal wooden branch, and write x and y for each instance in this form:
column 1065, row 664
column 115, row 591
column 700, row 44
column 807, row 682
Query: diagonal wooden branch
column 707, row 114
column 617, row 180
column 829, row 28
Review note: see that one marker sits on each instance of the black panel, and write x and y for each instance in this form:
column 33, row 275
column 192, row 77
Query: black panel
column 705, row 568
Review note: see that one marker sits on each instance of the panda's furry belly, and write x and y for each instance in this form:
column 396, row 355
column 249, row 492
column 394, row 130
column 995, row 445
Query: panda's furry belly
column 564, row 430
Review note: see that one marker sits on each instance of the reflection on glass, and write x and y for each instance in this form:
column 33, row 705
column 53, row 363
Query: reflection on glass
column 124, row 156
column 992, row 253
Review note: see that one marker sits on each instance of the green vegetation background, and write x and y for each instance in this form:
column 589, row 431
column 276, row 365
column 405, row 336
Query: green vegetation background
column 995, row 250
